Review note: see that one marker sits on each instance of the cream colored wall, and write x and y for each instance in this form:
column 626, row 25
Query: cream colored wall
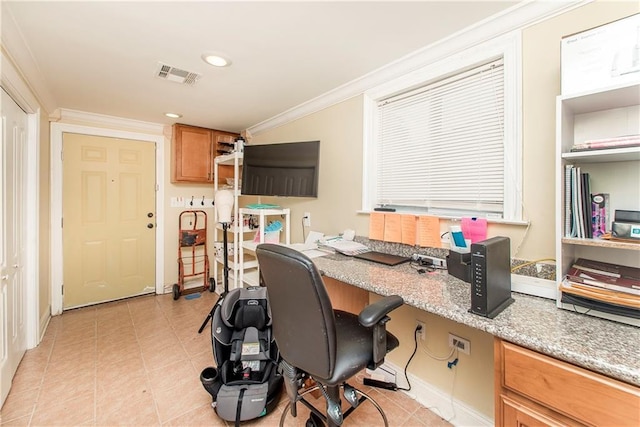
column 339, row 128
column 471, row 381
column 540, row 86
column 172, row 215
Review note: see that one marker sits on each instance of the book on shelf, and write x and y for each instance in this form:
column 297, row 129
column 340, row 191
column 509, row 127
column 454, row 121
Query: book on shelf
column 605, row 275
column 585, row 214
column 608, row 143
column 603, row 295
column 585, row 202
column 588, row 279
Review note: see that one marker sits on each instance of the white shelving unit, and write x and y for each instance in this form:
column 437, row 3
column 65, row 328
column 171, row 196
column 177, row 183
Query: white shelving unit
column 249, row 271
column 236, row 231
column 610, row 112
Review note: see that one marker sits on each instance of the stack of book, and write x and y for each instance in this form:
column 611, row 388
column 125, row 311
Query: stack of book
column 604, row 283
column 608, row 143
column 586, row 215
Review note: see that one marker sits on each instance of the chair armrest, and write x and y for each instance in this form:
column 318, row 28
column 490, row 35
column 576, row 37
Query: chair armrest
column 374, row 313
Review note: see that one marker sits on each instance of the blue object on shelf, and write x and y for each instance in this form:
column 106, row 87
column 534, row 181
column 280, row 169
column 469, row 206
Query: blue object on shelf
column 262, row 206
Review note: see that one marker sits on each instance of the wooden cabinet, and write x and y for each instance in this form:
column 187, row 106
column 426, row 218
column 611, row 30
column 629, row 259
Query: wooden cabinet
column 346, row 297
column 194, row 150
column 533, row 389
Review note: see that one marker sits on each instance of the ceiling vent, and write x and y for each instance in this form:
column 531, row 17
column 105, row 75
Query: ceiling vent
column 167, row 72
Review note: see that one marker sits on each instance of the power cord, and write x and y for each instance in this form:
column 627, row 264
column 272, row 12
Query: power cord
column 415, row 349
column 304, row 237
column 450, row 364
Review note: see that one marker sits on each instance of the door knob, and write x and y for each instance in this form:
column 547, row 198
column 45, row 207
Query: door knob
column 150, row 225
column 150, row 215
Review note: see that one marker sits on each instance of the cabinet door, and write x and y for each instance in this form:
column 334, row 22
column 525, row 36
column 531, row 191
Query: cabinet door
column 193, row 156
column 346, row 297
column 517, row 415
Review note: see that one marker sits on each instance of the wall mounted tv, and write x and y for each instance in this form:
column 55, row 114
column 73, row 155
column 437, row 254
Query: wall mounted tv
column 287, row 169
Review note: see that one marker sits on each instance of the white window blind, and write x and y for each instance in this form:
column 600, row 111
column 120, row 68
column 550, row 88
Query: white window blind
column 440, row 148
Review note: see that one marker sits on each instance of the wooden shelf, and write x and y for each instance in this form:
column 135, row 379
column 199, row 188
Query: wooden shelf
column 600, row 243
column 617, row 96
column 609, row 155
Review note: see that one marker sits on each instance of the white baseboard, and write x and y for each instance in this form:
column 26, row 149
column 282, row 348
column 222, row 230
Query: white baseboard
column 44, row 323
column 440, row 402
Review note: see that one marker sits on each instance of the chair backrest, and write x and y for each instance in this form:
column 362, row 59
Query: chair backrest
column 303, row 322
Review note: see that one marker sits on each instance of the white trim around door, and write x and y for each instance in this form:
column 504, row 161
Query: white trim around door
column 13, row 84
column 57, row 131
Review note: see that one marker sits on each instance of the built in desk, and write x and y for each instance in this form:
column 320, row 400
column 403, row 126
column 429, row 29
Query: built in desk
column 579, row 344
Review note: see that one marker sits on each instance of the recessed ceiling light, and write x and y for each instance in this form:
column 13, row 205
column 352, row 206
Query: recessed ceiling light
column 173, row 115
column 215, row 59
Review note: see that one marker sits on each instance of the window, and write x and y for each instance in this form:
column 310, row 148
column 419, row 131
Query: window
column 445, row 141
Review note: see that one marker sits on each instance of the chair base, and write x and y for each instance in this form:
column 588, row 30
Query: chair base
column 322, row 416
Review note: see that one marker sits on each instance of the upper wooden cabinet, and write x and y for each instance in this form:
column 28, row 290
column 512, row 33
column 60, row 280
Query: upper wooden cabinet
column 194, row 149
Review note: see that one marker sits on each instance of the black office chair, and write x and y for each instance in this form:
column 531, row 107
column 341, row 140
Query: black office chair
column 317, row 342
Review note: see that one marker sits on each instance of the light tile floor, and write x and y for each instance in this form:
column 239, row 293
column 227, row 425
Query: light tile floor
column 137, row 362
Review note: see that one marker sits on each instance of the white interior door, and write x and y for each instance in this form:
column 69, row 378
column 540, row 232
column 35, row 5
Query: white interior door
column 12, row 247
column 108, row 218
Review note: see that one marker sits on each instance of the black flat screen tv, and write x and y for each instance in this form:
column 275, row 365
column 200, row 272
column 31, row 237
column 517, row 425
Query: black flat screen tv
column 287, row 169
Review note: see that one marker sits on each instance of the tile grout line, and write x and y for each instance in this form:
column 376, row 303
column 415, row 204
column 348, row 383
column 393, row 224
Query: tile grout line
column 144, row 363
column 95, row 374
column 48, row 363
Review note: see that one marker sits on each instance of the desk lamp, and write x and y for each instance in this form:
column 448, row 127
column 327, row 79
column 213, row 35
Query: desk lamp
column 223, row 203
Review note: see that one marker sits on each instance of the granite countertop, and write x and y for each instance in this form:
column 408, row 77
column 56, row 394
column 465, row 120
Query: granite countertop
column 531, row 322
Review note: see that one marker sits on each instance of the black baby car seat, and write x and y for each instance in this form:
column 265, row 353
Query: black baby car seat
column 246, row 383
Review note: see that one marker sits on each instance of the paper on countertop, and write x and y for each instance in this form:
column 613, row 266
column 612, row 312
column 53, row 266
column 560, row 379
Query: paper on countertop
column 310, row 245
column 313, row 237
column 315, row 253
column 346, row 247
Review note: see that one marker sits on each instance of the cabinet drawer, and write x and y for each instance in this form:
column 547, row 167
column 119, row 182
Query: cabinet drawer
column 516, row 414
column 578, row 393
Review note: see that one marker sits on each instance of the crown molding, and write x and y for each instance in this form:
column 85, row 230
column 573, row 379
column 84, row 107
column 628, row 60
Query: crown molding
column 515, row 18
column 64, row 115
column 13, row 83
column 19, row 54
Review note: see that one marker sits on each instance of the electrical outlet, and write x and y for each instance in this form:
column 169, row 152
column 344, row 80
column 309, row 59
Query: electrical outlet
column 461, row 344
column 306, row 219
column 422, row 333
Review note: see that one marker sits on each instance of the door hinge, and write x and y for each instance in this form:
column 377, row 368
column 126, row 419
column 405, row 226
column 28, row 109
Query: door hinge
column 61, row 222
column 62, row 289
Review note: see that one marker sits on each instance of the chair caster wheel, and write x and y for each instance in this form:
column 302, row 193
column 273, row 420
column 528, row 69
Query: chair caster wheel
column 314, row 421
column 176, row 292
